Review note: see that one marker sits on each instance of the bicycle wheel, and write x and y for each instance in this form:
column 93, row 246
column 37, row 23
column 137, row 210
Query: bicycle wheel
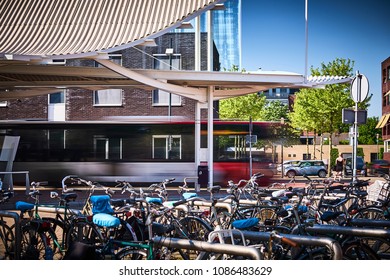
column 192, row 228
column 372, row 213
column 85, row 232
column 381, row 247
column 33, row 243
column 357, row 250
column 130, row 253
column 308, row 253
column 7, row 239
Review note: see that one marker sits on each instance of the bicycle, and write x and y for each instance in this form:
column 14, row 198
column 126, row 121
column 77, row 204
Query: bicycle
column 7, row 237
column 38, row 239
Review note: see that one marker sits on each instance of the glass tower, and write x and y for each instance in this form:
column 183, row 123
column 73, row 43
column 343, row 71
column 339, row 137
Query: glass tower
column 226, row 33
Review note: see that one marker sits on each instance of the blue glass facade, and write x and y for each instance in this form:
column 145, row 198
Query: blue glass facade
column 226, row 33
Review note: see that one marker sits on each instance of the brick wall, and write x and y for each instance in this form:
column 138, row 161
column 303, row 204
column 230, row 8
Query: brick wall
column 136, row 102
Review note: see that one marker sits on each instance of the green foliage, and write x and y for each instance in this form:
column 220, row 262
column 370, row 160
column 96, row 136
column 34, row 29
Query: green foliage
column 274, row 111
column 242, row 107
column 368, row 132
column 359, row 152
column 321, row 109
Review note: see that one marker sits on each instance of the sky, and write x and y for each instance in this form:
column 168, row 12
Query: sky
column 273, row 37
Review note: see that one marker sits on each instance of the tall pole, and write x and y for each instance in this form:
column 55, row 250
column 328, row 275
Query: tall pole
column 250, row 146
column 377, row 146
column 281, row 146
column 306, row 37
column 355, row 141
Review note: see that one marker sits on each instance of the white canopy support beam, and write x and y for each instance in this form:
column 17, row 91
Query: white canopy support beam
column 190, row 92
column 17, row 94
column 210, row 133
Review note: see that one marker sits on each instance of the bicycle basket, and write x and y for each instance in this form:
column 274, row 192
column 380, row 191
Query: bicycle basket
column 378, row 191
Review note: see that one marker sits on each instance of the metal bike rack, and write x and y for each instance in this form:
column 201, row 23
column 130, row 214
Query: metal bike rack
column 370, row 223
column 57, row 209
column 348, row 230
column 238, row 250
column 225, row 205
column 18, row 235
column 330, row 243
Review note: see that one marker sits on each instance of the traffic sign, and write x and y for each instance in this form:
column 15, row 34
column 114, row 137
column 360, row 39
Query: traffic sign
column 359, row 88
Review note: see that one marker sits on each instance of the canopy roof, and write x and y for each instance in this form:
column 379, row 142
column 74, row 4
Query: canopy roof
column 34, row 32
column 79, row 28
column 19, row 79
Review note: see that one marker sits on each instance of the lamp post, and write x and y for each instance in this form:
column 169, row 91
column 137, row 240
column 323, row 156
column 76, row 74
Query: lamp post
column 377, row 146
column 169, row 52
column 281, row 146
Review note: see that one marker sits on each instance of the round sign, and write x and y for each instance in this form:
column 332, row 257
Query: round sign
column 359, row 88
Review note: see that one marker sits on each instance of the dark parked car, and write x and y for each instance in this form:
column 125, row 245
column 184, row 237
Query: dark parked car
column 380, row 166
column 361, row 167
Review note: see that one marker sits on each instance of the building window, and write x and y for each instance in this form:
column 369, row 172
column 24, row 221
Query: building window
column 387, row 146
column 56, row 98
column 109, row 97
column 166, row 62
column 167, row 147
column 388, row 73
column 108, row 148
column 161, row 98
column 306, row 156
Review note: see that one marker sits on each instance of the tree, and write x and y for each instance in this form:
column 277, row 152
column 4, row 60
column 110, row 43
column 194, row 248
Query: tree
column 274, row 111
column 320, row 110
column 242, row 107
column 368, row 132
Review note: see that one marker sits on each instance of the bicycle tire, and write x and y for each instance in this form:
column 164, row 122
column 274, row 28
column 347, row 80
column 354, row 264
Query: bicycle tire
column 131, row 254
column 308, row 253
column 7, row 242
column 357, row 250
column 33, row 243
column 382, row 248
column 193, row 228
column 85, row 232
column 373, row 213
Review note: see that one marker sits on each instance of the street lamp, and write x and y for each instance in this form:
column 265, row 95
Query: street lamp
column 169, row 52
column 281, row 147
column 377, row 146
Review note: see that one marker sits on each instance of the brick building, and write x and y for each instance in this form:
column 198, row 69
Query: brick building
column 384, row 121
column 83, row 105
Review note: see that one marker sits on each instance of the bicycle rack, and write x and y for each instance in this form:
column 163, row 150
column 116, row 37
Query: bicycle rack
column 225, row 205
column 230, row 249
column 222, row 236
column 348, row 230
column 57, row 209
column 18, row 235
column 370, row 223
column 332, row 244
